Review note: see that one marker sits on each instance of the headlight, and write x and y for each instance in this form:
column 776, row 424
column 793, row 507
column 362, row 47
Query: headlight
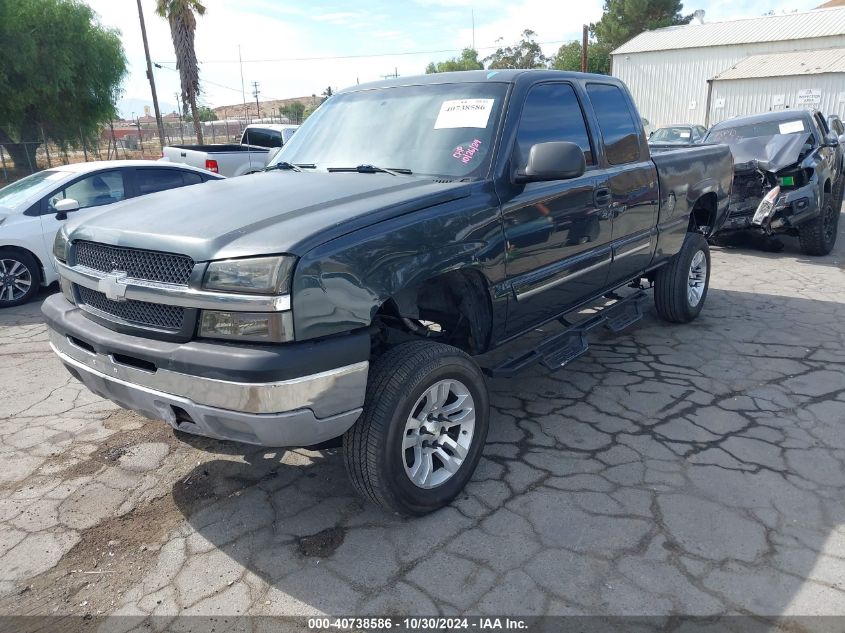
column 60, row 245
column 261, row 327
column 260, row 275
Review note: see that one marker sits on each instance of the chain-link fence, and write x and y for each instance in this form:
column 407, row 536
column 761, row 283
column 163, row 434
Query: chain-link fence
column 119, row 141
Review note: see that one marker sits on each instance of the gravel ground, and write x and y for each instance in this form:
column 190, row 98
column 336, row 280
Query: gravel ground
column 691, row 469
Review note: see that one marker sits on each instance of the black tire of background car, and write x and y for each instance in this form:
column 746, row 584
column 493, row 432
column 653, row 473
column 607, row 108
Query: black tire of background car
column 818, row 236
column 31, row 264
column 372, row 447
column 672, row 282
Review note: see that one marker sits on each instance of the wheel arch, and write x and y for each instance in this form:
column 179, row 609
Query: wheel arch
column 42, row 272
column 458, row 301
column 703, row 213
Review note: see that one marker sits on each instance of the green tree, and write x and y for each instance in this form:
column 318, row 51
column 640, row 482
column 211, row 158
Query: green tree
column 624, row 19
column 293, row 111
column 467, row 61
column 205, row 114
column 526, row 53
column 60, row 75
column 568, row 57
column 182, row 17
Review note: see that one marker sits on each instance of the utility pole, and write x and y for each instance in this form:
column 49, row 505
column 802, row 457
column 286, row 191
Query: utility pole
column 255, row 93
column 584, row 42
column 159, row 122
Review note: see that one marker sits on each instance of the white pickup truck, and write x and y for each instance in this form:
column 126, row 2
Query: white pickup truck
column 259, row 143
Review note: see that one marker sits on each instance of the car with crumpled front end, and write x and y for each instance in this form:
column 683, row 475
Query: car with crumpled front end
column 788, row 176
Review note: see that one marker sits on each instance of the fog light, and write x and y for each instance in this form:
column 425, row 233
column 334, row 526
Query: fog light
column 802, row 204
column 67, row 289
column 260, row 327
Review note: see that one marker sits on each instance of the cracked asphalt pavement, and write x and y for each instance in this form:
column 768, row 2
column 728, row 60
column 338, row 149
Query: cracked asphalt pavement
column 693, row 469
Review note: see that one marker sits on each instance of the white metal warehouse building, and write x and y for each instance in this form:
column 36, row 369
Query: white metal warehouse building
column 705, row 72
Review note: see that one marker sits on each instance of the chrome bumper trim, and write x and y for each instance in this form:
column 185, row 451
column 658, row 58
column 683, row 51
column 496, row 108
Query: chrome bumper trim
column 177, row 295
column 326, row 394
column 288, row 429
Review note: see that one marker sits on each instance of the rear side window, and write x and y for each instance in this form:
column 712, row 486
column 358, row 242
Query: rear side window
column 152, row 180
column 621, row 135
column 263, row 138
column 551, row 113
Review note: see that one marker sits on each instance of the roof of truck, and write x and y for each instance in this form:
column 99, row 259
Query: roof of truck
column 478, row 76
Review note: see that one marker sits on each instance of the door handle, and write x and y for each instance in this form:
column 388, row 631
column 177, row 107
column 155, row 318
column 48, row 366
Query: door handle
column 602, row 196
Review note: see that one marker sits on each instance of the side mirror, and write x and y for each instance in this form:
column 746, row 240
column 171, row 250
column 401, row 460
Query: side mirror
column 831, row 141
column 842, row 140
column 63, row 207
column 556, row 160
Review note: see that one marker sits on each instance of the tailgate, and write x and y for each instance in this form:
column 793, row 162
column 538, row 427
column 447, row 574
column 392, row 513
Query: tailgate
column 187, row 156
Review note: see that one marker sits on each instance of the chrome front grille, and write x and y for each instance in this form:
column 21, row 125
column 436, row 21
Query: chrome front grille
column 142, row 313
column 136, row 263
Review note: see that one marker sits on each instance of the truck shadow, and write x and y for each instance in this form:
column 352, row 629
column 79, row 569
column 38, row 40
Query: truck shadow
column 673, row 469
column 780, row 248
column 28, row 313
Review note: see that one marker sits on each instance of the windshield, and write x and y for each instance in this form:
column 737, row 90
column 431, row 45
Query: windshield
column 29, row 188
column 730, row 134
column 672, row 136
column 435, row 130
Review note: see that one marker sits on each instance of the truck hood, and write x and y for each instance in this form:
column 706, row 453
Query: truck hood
column 265, row 213
column 769, row 153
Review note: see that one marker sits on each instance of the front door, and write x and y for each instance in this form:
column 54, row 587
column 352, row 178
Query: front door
column 558, row 233
column 92, row 191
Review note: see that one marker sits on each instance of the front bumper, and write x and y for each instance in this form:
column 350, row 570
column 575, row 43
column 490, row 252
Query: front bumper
column 277, row 409
column 791, row 209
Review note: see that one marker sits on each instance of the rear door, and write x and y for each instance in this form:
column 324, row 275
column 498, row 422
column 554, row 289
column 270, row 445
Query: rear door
column 557, row 233
column 630, row 177
column 153, row 179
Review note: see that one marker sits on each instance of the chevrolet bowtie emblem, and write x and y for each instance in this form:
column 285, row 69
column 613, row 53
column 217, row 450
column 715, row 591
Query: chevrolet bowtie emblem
column 113, row 285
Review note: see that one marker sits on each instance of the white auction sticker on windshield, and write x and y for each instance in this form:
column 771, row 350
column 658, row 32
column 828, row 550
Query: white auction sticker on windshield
column 464, row 113
column 791, row 127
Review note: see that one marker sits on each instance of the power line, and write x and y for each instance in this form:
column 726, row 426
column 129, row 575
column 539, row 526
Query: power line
column 329, row 58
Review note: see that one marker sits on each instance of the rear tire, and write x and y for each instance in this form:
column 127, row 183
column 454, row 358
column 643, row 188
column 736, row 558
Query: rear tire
column 424, row 425
column 818, row 236
column 680, row 287
column 20, row 277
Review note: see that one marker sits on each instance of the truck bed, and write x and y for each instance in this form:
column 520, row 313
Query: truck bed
column 698, row 170
column 221, row 148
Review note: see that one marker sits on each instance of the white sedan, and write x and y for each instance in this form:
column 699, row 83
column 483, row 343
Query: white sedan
column 33, row 208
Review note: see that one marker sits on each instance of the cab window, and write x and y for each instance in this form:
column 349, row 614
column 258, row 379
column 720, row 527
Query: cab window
column 551, row 113
column 93, row 191
column 621, row 135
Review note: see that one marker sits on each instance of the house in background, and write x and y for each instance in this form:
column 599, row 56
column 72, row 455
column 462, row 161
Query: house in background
column 705, row 72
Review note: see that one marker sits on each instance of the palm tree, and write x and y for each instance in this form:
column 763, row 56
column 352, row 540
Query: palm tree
column 183, row 22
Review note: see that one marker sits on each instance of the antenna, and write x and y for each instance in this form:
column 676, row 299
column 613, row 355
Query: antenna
column 243, row 92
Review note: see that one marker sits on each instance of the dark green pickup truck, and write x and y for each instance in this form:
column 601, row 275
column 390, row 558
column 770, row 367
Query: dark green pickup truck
column 408, row 227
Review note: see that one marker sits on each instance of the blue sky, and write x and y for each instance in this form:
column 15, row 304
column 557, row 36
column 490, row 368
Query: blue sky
column 286, row 46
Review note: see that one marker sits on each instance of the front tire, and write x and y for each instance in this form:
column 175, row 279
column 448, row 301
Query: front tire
column 818, row 236
column 424, row 425
column 680, row 287
column 20, row 277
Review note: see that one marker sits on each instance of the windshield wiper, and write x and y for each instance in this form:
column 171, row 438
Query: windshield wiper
column 282, row 165
column 372, row 169
column 286, row 165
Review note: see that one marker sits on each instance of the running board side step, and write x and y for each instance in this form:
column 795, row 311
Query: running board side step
column 562, row 348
